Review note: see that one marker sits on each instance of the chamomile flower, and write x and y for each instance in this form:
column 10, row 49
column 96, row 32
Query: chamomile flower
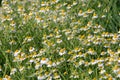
column 43, row 3
column 58, row 35
column 17, row 52
column 37, row 65
column 103, row 16
column 13, row 23
column 93, row 62
column 77, row 49
column 27, row 39
column 85, row 15
column 74, row 74
column 95, row 16
column 8, row 51
column 102, row 71
column 44, row 60
column 90, row 71
column 42, row 9
column 41, row 77
column 31, row 60
column 118, row 75
column 56, row 75
column 31, row 49
column 49, row 64
column 0, row 68
column 81, row 62
column 81, row 13
column 115, row 37
column 116, row 69
column 99, row 5
column 13, row 70
column 74, row 3
column 90, row 11
column 7, row 77
column 12, row 42
column 62, row 51
column 91, row 51
column 59, row 40
column 21, row 68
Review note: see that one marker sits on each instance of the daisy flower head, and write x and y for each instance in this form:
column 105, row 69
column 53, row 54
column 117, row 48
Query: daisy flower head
column 62, row 51
column 90, row 11
column 17, row 52
column 90, row 71
column 31, row 49
column 95, row 16
column 81, row 13
column 27, row 39
column 44, row 60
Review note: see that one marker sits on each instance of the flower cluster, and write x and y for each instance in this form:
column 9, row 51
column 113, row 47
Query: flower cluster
column 59, row 40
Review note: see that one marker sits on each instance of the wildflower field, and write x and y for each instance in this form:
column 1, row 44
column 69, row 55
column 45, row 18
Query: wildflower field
column 60, row 40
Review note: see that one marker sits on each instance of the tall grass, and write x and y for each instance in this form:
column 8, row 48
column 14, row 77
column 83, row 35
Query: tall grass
column 60, row 40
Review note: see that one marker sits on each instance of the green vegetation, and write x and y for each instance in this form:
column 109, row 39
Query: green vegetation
column 60, row 40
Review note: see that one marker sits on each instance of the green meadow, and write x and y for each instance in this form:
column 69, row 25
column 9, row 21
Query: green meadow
column 60, row 40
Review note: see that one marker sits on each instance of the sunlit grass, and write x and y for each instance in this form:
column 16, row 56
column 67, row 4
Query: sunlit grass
column 60, row 40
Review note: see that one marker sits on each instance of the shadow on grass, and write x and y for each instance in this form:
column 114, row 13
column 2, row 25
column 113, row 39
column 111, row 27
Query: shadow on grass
column 0, row 3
